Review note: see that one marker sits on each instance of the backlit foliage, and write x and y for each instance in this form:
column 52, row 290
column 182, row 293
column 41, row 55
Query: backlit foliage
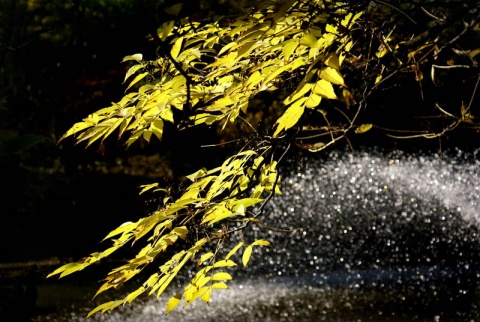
column 207, row 71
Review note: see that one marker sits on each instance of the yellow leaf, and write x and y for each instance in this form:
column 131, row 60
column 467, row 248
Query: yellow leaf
column 276, row 72
column 315, row 147
column 198, row 174
column 348, row 97
column 254, row 80
column 246, row 202
column 349, row 20
column 176, row 48
column 173, row 302
column 221, row 276
column 105, row 307
column 180, row 231
column 204, row 257
column 220, row 285
column 66, row 267
column 165, row 29
column 132, row 70
column 348, row 46
column 291, row 116
column 324, row 89
column 137, row 57
column 309, row 40
column 246, row 255
column 138, row 78
column 234, row 250
column 474, row 52
column 224, row 263
column 219, row 213
column 226, row 61
column 261, row 242
column 299, row 92
column 382, row 51
column 202, row 280
column 246, row 48
column 331, row 29
column 206, row 295
column 197, row 294
column 157, row 128
column 130, row 297
column 125, row 227
column 363, row 128
column 313, row 101
column 332, row 60
column 77, row 127
column 226, row 47
column 289, row 48
column 331, row 75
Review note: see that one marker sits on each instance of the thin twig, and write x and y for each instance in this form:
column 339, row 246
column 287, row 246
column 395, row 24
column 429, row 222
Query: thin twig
column 473, row 94
column 392, row 6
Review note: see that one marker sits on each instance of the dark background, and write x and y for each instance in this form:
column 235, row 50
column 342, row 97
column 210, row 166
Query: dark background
column 60, row 61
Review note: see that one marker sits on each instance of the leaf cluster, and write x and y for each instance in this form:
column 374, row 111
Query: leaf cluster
column 207, row 72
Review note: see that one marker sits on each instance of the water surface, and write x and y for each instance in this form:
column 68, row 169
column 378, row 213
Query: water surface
column 377, row 236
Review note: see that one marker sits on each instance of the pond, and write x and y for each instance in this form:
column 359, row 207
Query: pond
column 376, row 236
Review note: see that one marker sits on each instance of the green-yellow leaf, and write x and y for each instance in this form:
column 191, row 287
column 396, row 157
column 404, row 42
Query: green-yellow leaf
column 315, row 147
